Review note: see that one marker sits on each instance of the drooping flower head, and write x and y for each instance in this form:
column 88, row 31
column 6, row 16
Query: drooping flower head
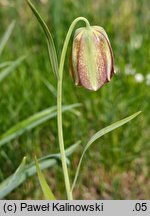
column 92, row 63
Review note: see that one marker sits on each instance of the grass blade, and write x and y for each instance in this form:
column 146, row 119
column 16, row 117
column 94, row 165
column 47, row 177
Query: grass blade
column 50, row 43
column 20, row 168
column 27, row 171
column 58, row 156
column 45, row 188
column 5, row 64
column 99, row 134
column 6, row 36
column 50, row 87
column 12, row 181
column 11, row 67
column 32, row 122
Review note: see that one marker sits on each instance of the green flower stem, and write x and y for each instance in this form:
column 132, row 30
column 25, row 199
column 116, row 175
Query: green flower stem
column 59, row 105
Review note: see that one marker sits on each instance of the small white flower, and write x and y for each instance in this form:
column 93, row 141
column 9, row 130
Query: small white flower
column 129, row 70
column 136, row 42
column 139, row 78
column 148, row 79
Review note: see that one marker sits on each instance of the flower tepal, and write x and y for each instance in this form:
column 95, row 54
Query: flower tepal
column 92, row 63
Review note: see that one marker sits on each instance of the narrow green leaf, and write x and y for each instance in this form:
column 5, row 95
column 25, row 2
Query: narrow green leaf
column 50, row 43
column 11, row 67
column 45, row 188
column 29, row 170
column 99, row 134
column 13, row 180
column 6, row 36
column 5, row 64
column 20, row 168
column 50, row 87
column 32, row 122
column 58, row 156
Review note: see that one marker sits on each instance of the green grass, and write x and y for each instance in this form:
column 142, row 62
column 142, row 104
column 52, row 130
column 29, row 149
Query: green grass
column 120, row 160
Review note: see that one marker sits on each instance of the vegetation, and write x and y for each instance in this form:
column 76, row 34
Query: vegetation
column 117, row 166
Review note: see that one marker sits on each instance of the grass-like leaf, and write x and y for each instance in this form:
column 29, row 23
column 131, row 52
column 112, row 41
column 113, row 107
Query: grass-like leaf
column 24, row 172
column 99, row 134
column 6, row 36
column 11, row 67
column 45, row 188
column 12, row 182
column 50, row 43
column 50, row 87
column 32, row 122
column 58, row 156
column 19, row 169
column 5, row 64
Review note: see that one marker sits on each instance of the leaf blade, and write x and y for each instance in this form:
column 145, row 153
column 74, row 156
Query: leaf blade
column 11, row 68
column 5, row 64
column 6, row 185
column 99, row 134
column 50, row 43
column 29, row 170
column 32, row 122
column 6, row 36
column 45, row 188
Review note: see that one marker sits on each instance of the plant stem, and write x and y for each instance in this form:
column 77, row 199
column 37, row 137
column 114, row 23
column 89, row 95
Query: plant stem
column 59, row 106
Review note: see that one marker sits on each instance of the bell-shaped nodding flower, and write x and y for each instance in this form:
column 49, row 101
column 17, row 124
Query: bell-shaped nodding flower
column 92, row 63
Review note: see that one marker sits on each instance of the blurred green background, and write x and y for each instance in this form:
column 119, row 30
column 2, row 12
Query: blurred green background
column 117, row 165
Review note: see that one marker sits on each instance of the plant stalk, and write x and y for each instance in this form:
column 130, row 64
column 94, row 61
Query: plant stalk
column 59, row 106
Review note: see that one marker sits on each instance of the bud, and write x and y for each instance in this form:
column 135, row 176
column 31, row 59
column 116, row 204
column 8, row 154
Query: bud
column 92, row 63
